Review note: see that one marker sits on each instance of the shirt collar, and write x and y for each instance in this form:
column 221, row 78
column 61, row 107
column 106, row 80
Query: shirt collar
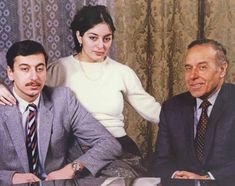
column 22, row 103
column 210, row 99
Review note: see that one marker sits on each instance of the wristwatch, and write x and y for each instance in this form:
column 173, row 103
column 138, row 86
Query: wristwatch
column 76, row 166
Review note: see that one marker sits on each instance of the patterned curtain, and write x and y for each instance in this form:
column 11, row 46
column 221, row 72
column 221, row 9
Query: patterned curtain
column 44, row 21
column 151, row 38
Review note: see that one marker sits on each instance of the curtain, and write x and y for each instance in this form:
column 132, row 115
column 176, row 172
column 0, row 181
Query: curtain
column 151, row 38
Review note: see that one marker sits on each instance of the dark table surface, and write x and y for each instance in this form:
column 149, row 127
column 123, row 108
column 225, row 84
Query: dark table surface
column 121, row 181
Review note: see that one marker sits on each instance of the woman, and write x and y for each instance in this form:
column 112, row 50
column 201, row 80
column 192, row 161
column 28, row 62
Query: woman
column 99, row 82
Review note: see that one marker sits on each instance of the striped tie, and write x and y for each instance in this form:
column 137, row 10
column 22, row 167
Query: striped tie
column 201, row 131
column 31, row 139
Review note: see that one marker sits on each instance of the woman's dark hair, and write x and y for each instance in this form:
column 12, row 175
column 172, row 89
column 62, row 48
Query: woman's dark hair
column 86, row 18
column 24, row 48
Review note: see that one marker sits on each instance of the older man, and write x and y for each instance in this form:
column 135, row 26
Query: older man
column 197, row 128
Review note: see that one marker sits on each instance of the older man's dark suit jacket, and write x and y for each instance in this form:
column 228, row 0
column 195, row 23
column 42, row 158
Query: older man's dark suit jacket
column 175, row 141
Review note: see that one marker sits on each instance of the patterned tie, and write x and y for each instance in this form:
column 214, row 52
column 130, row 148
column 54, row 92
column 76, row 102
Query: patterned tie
column 201, row 131
column 31, row 139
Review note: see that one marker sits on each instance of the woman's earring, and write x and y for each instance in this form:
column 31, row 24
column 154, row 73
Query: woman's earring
column 80, row 44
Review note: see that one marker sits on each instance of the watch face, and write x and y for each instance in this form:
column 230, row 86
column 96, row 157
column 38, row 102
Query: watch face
column 75, row 166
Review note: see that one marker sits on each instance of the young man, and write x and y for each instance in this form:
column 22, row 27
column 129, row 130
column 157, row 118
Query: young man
column 195, row 140
column 36, row 133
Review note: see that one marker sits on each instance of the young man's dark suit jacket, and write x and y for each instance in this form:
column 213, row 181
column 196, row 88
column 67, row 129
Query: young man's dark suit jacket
column 62, row 118
column 175, row 140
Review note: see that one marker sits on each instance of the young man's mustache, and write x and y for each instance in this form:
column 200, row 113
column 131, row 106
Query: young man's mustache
column 35, row 83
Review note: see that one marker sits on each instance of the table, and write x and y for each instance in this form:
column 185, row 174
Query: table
column 122, row 181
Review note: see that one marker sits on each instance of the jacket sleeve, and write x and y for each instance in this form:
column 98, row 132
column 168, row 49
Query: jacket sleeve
column 103, row 146
column 165, row 162
column 6, row 177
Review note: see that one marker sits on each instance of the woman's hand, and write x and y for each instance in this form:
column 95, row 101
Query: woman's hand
column 6, row 97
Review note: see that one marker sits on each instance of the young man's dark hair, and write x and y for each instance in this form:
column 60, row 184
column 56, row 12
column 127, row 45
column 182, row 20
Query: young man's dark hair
column 24, row 48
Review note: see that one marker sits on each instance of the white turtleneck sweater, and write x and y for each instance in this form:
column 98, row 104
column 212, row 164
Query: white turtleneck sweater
column 100, row 88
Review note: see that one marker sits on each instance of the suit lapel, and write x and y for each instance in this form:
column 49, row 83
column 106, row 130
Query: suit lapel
column 13, row 120
column 189, row 121
column 216, row 113
column 45, row 127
